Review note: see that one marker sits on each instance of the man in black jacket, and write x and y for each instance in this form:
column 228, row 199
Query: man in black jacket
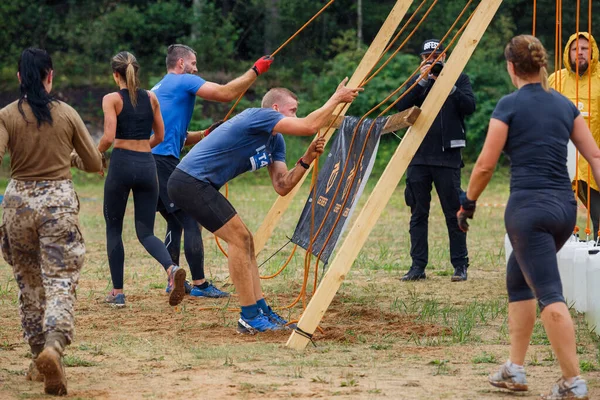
column 439, row 161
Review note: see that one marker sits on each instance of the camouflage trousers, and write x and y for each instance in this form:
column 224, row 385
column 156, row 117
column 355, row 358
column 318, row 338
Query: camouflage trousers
column 41, row 240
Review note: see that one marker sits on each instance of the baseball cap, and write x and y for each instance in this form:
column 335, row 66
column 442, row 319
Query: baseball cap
column 429, row 46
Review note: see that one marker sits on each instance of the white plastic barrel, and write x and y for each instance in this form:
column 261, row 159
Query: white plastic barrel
column 592, row 315
column 580, row 264
column 565, row 258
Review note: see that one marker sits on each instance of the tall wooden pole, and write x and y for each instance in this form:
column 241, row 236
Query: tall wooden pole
column 391, row 176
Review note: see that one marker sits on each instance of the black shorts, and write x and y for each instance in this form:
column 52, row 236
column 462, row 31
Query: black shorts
column 165, row 165
column 201, row 200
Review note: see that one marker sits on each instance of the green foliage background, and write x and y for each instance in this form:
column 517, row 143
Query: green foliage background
column 229, row 35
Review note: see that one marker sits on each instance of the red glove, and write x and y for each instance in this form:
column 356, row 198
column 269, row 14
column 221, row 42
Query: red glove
column 213, row 127
column 262, row 65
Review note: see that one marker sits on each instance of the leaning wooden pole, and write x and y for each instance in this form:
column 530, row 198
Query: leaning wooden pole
column 366, row 65
column 391, row 176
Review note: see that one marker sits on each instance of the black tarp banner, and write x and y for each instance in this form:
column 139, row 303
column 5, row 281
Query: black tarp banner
column 329, row 178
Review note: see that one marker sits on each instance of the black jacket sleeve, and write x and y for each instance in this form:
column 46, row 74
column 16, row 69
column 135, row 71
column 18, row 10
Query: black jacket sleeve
column 415, row 97
column 463, row 95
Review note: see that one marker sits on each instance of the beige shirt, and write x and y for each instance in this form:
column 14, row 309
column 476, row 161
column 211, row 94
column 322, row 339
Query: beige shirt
column 44, row 153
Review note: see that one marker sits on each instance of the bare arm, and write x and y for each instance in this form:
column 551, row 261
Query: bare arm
column 587, row 146
column 317, row 119
column 158, row 126
column 487, row 160
column 283, row 180
column 229, row 91
column 109, row 104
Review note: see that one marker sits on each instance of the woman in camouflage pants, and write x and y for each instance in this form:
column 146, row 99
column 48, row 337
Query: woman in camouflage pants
column 40, row 236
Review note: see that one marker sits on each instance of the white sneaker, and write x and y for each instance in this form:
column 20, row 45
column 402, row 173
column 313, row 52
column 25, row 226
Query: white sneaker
column 562, row 390
column 509, row 377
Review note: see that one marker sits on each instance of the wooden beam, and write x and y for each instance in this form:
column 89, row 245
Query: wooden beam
column 366, row 65
column 397, row 121
column 393, row 173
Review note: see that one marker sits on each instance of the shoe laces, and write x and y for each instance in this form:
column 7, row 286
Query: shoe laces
column 273, row 316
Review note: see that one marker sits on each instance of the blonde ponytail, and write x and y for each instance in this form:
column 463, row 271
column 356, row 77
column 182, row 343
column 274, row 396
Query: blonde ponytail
column 125, row 64
column 131, row 84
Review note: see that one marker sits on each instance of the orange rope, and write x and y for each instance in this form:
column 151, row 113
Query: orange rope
column 590, row 83
column 373, row 109
column 367, row 80
column 389, row 108
column 279, row 49
column 307, row 260
column 302, row 28
column 302, row 294
column 577, row 16
column 284, row 265
column 242, row 95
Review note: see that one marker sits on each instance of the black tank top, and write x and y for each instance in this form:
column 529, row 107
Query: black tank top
column 135, row 123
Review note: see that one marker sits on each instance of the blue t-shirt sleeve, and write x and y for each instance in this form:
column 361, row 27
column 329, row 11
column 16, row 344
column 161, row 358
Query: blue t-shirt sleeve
column 278, row 153
column 504, row 110
column 191, row 83
column 264, row 120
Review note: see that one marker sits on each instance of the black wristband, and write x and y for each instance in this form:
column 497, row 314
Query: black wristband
column 466, row 203
column 303, row 164
column 255, row 70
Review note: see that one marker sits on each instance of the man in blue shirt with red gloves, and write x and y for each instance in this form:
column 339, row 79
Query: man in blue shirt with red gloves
column 177, row 93
column 249, row 141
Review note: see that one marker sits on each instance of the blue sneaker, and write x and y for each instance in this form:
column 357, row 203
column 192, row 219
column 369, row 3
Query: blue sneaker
column 278, row 320
column 176, row 286
column 188, row 287
column 209, row 291
column 117, row 300
column 260, row 323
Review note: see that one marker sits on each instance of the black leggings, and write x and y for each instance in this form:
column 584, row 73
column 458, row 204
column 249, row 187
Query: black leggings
column 131, row 171
column 538, row 224
column 192, row 244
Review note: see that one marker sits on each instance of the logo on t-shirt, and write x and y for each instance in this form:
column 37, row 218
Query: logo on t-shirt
column 261, row 159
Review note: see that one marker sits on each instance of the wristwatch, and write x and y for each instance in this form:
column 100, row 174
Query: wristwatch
column 303, row 164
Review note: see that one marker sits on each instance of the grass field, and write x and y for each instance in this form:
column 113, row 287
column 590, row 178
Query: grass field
column 382, row 338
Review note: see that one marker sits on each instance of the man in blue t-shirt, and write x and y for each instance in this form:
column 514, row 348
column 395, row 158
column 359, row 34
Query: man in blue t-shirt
column 249, row 141
column 177, row 93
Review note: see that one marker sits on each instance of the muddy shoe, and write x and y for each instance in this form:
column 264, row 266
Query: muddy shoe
column 563, row 390
column 115, row 300
column 509, row 377
column 176, row 287
column 50, row 365
column 33, row 374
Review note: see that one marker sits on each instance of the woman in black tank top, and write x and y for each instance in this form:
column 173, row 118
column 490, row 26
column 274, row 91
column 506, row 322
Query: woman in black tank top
column 132, row 120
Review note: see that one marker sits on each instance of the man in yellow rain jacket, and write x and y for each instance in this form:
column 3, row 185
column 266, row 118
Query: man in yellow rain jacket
column 581, row 55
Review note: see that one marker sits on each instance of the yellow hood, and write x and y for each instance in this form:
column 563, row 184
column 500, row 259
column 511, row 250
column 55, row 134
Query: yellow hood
column 593, row 48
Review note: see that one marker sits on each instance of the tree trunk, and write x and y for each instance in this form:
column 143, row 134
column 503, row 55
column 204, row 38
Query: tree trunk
column 272, row 26
column 359, row 23
column 197, row 6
